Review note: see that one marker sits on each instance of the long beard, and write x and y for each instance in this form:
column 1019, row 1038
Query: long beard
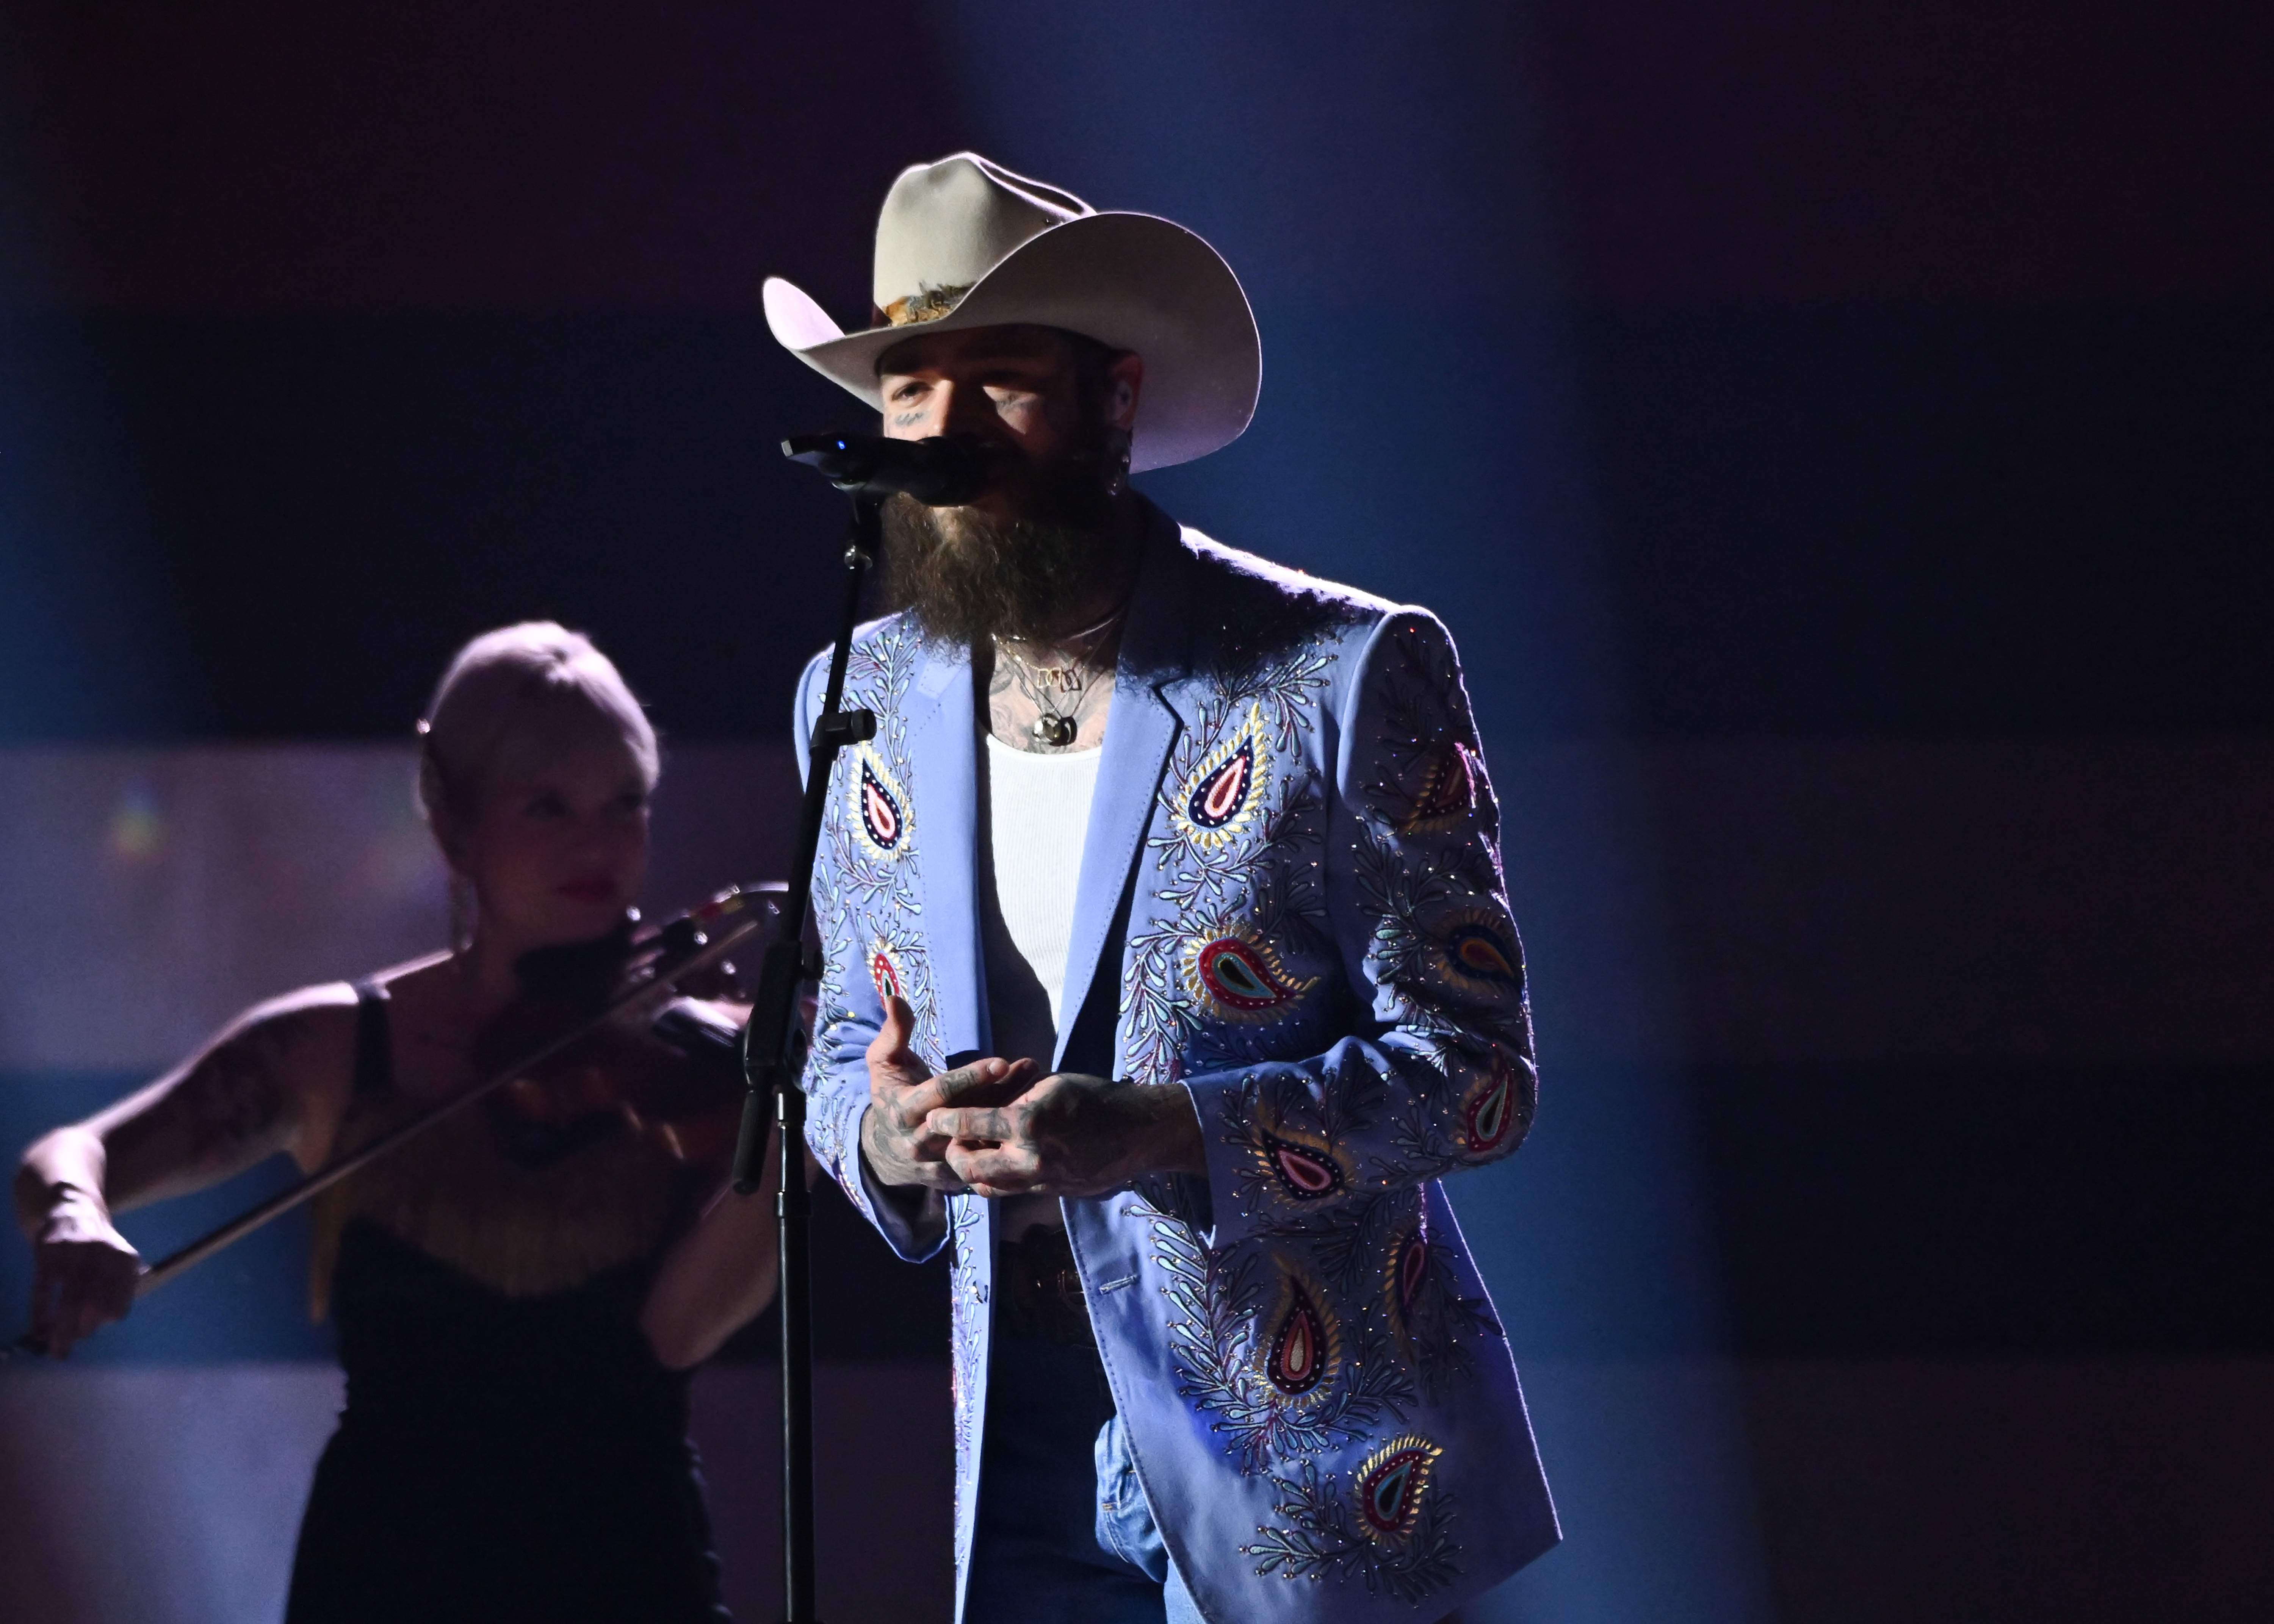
column 967, row 577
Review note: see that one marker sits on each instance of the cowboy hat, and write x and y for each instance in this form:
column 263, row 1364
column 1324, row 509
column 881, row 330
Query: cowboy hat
column 964, row 243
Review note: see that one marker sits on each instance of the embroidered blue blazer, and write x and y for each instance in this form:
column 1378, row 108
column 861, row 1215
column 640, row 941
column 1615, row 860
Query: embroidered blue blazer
column 1290, row 901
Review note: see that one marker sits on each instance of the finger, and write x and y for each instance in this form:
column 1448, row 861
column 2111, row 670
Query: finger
column 95, row 1310
column 940, row 1176
column 989, row 1160
column 72, row 1328
column 106, row 1307
column 638, row 1011
column 126, row 1285
column 925, row 1145
column 893, row 1064
column 982, row 1123
column 893, row 1038
column 910, row 1111
column 966, row 1082
column 69, row 1322
column 95, row 1285
column 1017, row 1077
column 66, row 1319
column 1000, row 1167
column 60, row 1294
column 920, row 1101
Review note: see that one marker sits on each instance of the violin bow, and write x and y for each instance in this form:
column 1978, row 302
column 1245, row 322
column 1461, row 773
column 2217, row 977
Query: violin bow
column 693, row 941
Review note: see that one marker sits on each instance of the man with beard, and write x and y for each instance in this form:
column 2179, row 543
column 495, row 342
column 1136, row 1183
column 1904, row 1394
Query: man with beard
column 1168, row 965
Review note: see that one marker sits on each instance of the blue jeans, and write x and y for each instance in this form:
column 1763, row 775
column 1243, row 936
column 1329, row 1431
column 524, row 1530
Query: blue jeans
column 1065, row 1535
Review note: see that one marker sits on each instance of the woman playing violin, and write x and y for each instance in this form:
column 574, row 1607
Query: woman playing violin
column 518, row 1299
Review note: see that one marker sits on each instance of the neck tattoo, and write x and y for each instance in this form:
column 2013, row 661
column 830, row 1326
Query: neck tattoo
column 1058, row 690
column 1056, row 726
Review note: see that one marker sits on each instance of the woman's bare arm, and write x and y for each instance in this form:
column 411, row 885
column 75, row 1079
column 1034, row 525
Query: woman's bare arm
column 719, row 1275
column 270, row 1078
column 274, row 1080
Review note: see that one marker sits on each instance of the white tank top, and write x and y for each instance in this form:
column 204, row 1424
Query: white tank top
column 1037, row 810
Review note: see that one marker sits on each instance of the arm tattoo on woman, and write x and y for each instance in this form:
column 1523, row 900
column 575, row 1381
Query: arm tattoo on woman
column 237, row 1095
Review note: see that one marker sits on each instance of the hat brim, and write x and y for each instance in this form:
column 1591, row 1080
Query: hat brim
column 1135, row 282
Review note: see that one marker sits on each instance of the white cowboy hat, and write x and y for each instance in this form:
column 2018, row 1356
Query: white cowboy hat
column 964, row 243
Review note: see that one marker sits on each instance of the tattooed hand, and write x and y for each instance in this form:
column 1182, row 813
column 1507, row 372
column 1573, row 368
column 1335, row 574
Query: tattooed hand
column 1071, row 1135
column 902, row 1149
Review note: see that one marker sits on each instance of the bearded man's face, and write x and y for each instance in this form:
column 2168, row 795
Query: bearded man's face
column 969, row 576
column 1025, row 558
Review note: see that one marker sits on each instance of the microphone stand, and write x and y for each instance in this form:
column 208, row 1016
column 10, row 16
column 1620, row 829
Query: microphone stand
column 772, row 1057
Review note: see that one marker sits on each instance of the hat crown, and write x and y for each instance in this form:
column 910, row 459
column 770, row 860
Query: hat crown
column 946, row 225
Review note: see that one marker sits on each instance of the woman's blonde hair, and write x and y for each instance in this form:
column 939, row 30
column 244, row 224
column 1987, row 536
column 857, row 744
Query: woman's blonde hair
column 497, row 682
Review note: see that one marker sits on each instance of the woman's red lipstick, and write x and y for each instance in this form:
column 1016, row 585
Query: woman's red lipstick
column 588, row 888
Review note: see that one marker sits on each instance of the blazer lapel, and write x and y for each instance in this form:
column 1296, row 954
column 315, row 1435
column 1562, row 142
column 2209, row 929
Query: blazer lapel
column 1140, row 730
column 942, row 743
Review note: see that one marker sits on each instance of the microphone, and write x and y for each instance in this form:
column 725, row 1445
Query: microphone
column 938, row 472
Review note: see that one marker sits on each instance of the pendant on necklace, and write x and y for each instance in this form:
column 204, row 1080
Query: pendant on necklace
column 1056, row 731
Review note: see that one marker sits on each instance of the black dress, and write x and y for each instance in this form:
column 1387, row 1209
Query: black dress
column 503, row 1455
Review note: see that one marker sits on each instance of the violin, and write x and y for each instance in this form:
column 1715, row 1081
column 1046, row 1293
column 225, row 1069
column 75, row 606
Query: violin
column 562, row 1056
column 673, row 1077
column 650, row 968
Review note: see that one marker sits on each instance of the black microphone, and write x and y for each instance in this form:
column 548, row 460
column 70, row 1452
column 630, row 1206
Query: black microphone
column 938, row 472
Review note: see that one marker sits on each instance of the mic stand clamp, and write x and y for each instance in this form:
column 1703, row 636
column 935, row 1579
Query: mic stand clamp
column 773, row 1056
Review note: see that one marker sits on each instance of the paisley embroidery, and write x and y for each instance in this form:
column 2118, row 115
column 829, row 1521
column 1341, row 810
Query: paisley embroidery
column 865, row 897
column 891, row 954
column 885, row 970
column 1306, row 1173
column 1404, row 1273
column 1409, row 1267
column 1219, row 796
column 1236, row 976
column 1224, row 794
column 1276, row 1369
column 1390, row 1485
column 1431, row 1322
column 880, row 807
column 1448, row 791
column 1332, row 1534
column 1476, row 951
column 1289, row 1174
column 1297, row 1356
column 1491, row 1110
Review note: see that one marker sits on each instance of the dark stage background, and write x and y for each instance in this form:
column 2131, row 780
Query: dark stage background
column 1839, row 438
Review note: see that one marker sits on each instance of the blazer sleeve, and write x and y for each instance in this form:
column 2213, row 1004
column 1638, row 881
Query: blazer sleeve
column 847, row 1016
column 1438, row 1073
